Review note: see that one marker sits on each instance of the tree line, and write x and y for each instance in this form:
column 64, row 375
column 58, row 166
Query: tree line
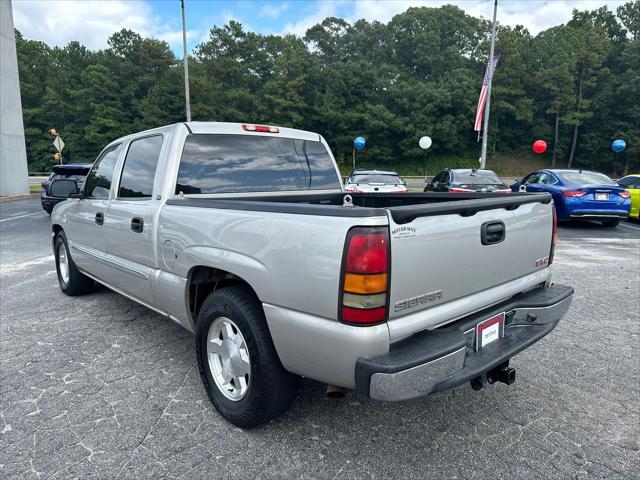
column 576, row 85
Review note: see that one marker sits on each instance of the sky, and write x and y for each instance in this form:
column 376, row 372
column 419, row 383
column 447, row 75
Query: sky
column 91, row 22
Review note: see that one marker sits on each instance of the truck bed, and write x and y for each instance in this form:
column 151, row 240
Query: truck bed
column 403, row 207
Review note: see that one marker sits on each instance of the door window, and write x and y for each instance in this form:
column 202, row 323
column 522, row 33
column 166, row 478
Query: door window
column 546, row 179
column 533, row 178
column 98, row 182
column 439, row 178
column 139, row 171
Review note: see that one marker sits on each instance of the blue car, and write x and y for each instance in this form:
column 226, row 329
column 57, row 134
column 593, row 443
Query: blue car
column 580, row 194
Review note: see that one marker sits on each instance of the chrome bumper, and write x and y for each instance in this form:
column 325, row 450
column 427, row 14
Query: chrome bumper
column 441, row 359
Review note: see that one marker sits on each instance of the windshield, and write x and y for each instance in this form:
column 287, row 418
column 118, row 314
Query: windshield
column 376, row 178
column 483, row 177
column 586, row 178
column 220, row 163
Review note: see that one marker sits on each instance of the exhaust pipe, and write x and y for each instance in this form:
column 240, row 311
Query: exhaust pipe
column 334, row 391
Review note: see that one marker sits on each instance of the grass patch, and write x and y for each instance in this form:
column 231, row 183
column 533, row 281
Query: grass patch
column 35, row 188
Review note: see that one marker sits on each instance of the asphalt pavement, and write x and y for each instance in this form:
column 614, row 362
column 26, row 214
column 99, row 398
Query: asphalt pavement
column 100, row 387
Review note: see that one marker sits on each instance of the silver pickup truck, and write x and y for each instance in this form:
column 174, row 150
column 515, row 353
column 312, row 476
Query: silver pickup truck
column 243, row 235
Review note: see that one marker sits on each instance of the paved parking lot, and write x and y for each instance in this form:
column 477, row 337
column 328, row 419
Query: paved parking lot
column 100, row 387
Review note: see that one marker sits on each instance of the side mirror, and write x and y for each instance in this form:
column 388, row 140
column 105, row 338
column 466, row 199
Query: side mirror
column 63, row 188
column 518, row 179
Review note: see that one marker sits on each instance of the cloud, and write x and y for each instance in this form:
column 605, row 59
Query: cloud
column 535, row 15
column 57, row 22
column 273, row 11
column 321, row 11
column 174, row 38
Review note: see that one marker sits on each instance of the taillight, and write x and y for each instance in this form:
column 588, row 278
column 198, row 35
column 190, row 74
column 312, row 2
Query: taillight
column 459, row 190
column 624, row 194
column 259, row 128
column 573, row 193
column 554, row 236
column 365, row 280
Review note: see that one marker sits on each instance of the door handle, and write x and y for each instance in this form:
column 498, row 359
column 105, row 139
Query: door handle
column 137, row 224
column 99, row 218
column 492, row 233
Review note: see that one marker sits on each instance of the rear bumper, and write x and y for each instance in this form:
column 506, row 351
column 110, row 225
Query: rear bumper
column 441, row 359
column 599, row 214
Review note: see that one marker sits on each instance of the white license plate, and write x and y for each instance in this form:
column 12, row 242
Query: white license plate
column 489, row 330
column 602, row 196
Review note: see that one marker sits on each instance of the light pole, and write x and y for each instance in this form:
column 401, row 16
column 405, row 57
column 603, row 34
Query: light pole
column 487, row 107
column 186, row 65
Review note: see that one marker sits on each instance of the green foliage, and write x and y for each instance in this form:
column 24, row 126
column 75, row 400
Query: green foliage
column 575, row 85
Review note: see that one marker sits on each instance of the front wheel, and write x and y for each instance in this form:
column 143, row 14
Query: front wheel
column 72, row 281
column 238, row 363
column 610, row 223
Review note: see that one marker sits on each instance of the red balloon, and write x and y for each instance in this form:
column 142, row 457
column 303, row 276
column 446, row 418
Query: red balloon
column 539, row 146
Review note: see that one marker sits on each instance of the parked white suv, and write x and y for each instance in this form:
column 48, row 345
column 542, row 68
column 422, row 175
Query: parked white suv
column 372, row 181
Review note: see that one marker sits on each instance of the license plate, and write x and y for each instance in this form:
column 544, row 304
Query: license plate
column 489, row 330
column 602, row 196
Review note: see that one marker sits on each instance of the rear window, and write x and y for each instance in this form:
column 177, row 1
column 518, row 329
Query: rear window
column 244, row 163
column 376, row 178
column 586, row 178
column 479, row 177
column 76, row 178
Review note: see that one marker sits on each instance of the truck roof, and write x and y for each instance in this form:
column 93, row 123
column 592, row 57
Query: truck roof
column 239, row 129
column 229, row 128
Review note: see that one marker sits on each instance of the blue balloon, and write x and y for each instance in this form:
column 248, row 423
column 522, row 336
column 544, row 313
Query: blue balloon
column 618, row 145
column 359, row 143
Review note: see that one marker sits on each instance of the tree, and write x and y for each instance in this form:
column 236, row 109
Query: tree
column 575, row 84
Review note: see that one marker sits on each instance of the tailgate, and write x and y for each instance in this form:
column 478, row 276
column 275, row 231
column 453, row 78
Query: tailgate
column 441, row 257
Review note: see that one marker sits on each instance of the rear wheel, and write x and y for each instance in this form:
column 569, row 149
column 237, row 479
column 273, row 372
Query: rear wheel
column 72, row 281
column 610, row 223
column 238, row 363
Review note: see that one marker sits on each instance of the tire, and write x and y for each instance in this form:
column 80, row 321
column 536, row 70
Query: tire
column 269, row 388
column 610, row 223
column 72, row 281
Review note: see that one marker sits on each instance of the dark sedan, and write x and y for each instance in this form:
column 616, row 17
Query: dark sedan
column 461, row 180
column 72, row 171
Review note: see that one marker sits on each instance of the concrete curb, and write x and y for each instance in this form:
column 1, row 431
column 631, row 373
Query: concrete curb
column 11, row 198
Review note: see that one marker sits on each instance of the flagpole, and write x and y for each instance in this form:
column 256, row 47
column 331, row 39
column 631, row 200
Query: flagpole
column 186, row 65
column 487, row 107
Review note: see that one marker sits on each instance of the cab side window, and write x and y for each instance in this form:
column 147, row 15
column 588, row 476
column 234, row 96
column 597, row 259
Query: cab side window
column 139, row 171
column 98, row 181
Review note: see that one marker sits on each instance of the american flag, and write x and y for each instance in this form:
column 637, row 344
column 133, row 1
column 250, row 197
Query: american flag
column 483, row 93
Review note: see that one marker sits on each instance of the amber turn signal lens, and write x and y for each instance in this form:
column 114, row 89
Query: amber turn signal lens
column 356, row 283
